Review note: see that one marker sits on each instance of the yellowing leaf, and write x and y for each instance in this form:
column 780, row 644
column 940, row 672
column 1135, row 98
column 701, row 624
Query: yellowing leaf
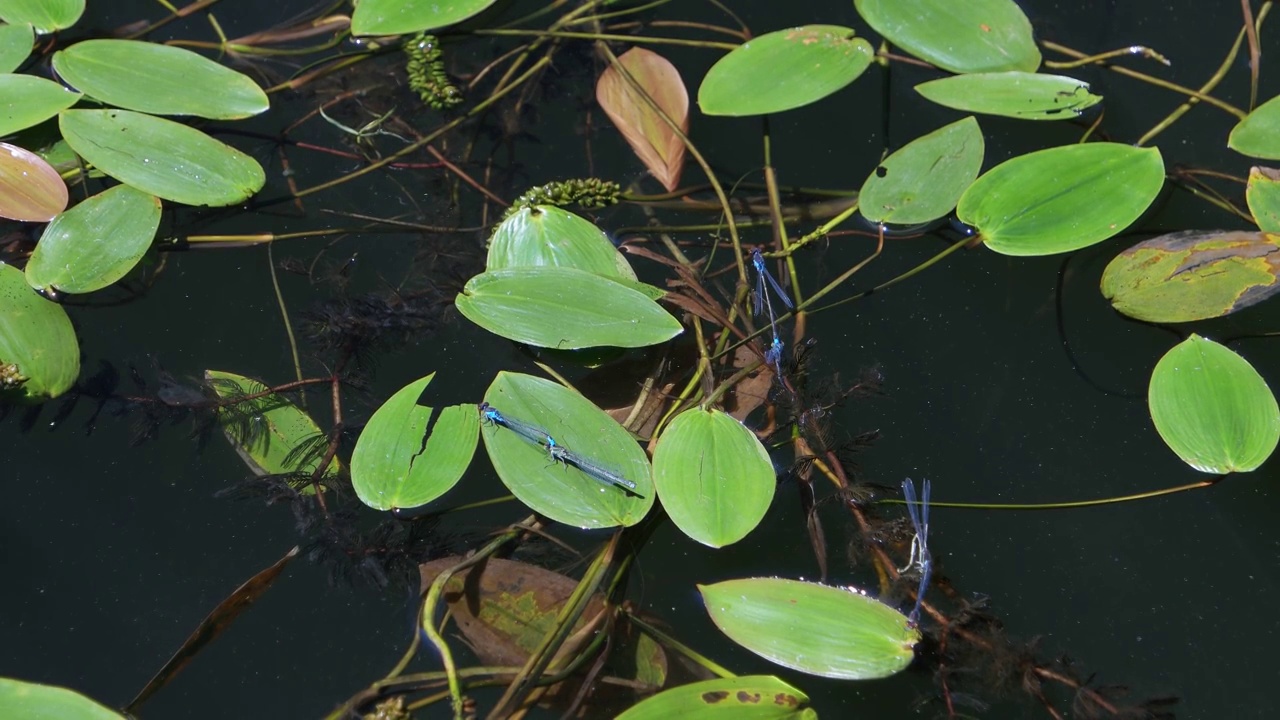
column 654, row 142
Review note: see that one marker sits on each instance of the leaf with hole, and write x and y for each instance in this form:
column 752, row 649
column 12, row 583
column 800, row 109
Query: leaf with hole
column 409, row 453
column 923, row 180
column 749, row 697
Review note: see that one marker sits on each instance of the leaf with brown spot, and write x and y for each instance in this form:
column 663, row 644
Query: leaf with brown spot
column 1193, row 275
column 653, row 141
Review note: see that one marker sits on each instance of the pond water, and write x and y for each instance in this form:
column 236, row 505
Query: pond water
column 1006, row 380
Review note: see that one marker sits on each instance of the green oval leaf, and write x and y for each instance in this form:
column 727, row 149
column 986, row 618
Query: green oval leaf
column 30, row 101
column 749, row 697
column 816, row 629
column 39, row 355
column 713, row 475
column 963, row 37
column 564, row 308
column 1063, row 198
column 562, row 492
column 1258, row 134
column 45, row 16
column 30, row 189
column 272, row 435
column 158, row 79
column 1263, row 196
column 923, row 181
column 162, row 157
column 95, row 243
column 407, row 455
column 783, row 70
column 1212, row 408
column 548, row 235
column 397, row 17
column 1193, row 275
column 32, row 701
column 1015, row 94
column 15, row 45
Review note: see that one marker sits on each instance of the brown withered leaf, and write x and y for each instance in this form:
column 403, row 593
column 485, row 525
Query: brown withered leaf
column 212, row 626
column 652, row 140
column 503, row 609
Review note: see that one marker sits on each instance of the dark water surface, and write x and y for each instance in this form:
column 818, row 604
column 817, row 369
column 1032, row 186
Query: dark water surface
column 112, row 553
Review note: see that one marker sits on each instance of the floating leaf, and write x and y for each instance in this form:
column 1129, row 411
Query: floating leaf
column 398, row 17
column 407, row 455
column 963, row 37
column 15, row 46
column 1193, row 275
column 95, row 243
column 30, row 100
column 39, row 355
column 548, row 235
column 32, row 701
column 1212, row 408
column 564, row 308
column 561, row 492
column 162, row 157
column 923, row 181
column 749, row 697
column 1015, row 94
column 816, row 629
column 272, row 435
column 1258, row 134
column 653, row 141
column 783, row 70
column 1263, row 195
column 45, row 16
column 159, row 79
column 1063, row 198
column 30, row 189
column 713, row 475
